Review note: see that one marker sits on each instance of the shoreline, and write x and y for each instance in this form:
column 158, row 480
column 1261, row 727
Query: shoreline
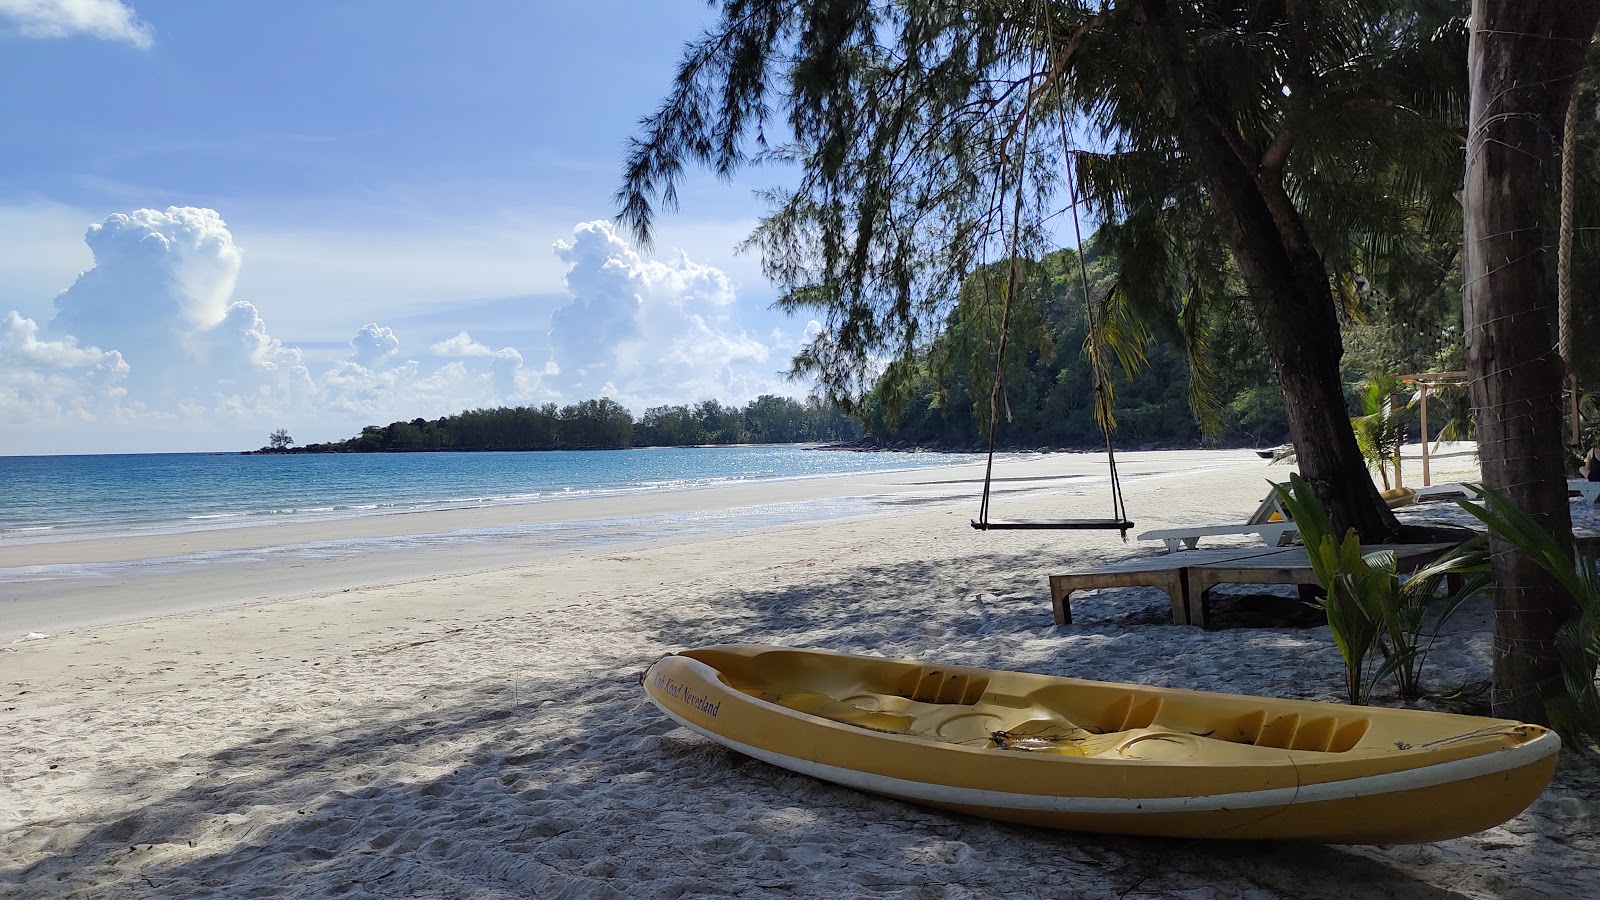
column 53, row 585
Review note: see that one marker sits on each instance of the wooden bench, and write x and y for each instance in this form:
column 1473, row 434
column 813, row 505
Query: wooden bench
column 1169, row 573
column 1292, row 566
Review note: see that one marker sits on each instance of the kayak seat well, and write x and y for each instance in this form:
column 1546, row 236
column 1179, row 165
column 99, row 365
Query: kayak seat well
column 1255, row 727
column 960, row 705
column 1132, row 721
column 940, row 686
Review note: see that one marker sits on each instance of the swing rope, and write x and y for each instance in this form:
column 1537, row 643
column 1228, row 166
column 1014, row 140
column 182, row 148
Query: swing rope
column 1119, row 520
column 1013, row 272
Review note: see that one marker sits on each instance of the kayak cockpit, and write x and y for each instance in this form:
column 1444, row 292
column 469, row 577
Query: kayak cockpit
column 1133, row 728
column 968, row 707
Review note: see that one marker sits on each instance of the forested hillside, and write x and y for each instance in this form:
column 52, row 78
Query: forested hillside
column 943, row 398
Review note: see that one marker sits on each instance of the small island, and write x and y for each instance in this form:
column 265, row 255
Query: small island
column 601, row 424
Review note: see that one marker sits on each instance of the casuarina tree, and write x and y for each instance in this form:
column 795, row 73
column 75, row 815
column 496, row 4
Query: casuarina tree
column 1241, row 153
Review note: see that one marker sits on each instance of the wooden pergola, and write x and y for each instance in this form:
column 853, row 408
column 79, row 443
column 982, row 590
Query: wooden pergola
column 1424, row 382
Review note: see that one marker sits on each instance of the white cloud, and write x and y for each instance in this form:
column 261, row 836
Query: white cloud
column 373, row 344
column 405, row 391
column 155, row 274
column 151, row 340
column 505, row 365
column 250, row 366
column 20, row 345
column 460, row 345
column 647, row 332
column 45, row 379
column 106, row 19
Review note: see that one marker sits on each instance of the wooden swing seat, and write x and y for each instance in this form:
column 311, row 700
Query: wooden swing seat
column 1121, row 525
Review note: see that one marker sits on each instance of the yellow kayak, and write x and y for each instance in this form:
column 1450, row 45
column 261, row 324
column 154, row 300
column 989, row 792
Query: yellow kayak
column 1093, row 756
column 1395, row 498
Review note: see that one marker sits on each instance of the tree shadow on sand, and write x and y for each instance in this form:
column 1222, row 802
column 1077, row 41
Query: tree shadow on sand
column 581, row 789
column 577, row 787
column 994, row 610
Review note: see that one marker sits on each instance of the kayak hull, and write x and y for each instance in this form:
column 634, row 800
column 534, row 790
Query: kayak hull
column 1092, row 756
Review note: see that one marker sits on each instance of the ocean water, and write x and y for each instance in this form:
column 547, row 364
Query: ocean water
column 57, row 497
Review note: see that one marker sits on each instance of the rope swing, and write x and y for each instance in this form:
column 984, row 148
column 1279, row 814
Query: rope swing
column 1119, row 514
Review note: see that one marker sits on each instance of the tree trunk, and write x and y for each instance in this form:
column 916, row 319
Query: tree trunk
column 1524, row 58
column 1564, row 326
column 1289, row 291
column 1297, row 315
column 1569, row 191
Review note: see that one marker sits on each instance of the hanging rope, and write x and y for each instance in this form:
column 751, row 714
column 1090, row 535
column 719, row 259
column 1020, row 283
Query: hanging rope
column 1013, row 273
column 1102, row 395
column 1119, row 519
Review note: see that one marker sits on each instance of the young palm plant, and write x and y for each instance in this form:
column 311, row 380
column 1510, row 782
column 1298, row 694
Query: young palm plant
column 1463, row 573
column 1381, row 427
column 1576, row 714
column 1378, row 619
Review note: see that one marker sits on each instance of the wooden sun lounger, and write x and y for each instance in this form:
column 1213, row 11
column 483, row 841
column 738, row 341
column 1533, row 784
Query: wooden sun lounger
column 1445, row 491
column 1292, row 566
column 1270, row 521
column 1188, row 577
column 1168, row 573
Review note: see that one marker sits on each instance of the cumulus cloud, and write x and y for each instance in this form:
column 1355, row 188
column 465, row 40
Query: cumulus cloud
column 161, row 293
column 40, row 378
column 152, row 334
column 649, row 331
column 373, row 345
column 156, row 275
column 505, row 372
column 249, row 365
column 20, row 346
column 406, row 391
column 109, row 20
column 460, row 345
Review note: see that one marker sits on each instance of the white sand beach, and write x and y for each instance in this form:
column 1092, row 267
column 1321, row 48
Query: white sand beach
column 463, row 718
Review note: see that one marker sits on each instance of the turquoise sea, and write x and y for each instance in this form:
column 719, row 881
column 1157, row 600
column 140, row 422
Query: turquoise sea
column 55, row 497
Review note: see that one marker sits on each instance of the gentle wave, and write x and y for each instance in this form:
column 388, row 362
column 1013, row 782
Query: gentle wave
column 525, row 537
column 65, row 498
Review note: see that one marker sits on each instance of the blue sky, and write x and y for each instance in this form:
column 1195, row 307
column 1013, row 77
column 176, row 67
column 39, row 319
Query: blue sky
column 224, row 218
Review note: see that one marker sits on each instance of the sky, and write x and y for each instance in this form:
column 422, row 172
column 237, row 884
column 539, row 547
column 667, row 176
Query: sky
column 220, row 219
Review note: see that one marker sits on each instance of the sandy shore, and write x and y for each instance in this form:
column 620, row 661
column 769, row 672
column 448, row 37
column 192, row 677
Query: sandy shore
column 455, row 717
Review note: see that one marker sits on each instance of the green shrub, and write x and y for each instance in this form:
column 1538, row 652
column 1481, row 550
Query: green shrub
column 1575, row 715
column 1378, row 619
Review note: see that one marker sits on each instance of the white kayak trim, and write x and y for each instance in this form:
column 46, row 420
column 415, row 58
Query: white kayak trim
column 935, row 793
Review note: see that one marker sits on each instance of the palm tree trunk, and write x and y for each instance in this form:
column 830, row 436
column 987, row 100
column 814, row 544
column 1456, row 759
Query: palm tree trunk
column 1564, row 261
column 1524, row 58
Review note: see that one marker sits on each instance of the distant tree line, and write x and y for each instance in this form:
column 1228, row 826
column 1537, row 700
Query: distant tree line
column 600, row 424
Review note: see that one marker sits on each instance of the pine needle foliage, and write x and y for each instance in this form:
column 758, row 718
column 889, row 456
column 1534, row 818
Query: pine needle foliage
column 934, row 137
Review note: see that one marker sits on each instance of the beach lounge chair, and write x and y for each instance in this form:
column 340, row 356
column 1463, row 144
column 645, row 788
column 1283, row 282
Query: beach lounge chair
column 1449, row 490
column 1270, row 522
